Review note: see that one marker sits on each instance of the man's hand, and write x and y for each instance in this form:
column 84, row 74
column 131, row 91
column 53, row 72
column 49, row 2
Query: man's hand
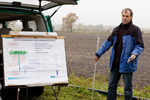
column 96, row 59
column 131, row 58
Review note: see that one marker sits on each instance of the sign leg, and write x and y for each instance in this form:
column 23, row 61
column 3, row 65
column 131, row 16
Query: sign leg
column 55, row 92
column 18, row 93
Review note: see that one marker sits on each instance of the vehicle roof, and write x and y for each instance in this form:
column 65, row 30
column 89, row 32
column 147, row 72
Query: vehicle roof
column 35, row 4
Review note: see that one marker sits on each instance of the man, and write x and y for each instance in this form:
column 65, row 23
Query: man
column 127, row 43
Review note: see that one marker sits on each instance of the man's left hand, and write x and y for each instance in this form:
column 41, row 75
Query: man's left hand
column 132, row 57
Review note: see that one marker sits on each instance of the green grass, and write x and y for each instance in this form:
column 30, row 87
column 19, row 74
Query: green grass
column 73, row 93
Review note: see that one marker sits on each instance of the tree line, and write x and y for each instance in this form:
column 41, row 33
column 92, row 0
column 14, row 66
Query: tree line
column 68, row 24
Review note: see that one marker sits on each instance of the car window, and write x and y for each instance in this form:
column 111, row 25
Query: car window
column 15, row 25
column 32, row 25
column 1, row 26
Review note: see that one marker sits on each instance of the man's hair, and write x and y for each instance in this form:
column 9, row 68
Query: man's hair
column 128, row 9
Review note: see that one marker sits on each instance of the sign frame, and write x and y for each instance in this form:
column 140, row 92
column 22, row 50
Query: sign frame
column 31, row 37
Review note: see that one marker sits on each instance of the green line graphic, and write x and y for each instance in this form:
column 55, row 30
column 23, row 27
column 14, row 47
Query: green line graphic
column 16, row 52
column 19, row 62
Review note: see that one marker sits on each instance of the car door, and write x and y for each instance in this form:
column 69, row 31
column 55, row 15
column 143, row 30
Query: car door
column 36, row 4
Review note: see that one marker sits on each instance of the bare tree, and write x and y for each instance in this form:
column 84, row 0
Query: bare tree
column 69, row 20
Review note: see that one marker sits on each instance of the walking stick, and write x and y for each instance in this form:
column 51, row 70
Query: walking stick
column 95, row 65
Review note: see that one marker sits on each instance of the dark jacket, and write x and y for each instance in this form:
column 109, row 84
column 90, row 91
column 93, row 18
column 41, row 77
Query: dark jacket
column 132, row 44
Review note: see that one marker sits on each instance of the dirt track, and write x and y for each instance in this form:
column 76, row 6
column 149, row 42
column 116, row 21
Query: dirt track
column 80, row 51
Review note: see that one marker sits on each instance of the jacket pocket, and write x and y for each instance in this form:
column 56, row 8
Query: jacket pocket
column 128, row 67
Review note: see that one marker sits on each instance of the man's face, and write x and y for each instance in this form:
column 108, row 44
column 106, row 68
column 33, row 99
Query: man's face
column 126, row 17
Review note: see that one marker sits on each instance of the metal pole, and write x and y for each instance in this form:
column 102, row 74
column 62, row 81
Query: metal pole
column 18, row 94
column 40, row 6
column 95, row 65
column 55, row 92
column 53, row 13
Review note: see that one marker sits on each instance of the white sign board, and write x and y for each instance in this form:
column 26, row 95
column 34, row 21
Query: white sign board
column 34, row 62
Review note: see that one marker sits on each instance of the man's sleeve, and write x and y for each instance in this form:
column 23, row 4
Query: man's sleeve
column 139, row 44
column 105, row 46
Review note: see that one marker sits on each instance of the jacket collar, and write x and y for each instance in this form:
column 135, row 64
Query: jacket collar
column 129, row 25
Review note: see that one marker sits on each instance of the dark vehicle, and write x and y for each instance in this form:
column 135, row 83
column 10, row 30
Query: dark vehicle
column 25, row 16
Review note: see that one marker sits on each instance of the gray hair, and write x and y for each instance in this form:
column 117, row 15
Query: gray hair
column 128, row 9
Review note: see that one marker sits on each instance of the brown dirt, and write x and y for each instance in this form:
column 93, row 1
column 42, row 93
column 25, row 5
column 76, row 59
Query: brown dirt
column 80, row 51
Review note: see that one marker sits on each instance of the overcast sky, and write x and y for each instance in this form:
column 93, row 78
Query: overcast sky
column 106, row 12
column 96, row 12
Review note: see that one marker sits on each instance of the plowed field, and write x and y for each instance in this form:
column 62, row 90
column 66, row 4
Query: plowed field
column 80, row 51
